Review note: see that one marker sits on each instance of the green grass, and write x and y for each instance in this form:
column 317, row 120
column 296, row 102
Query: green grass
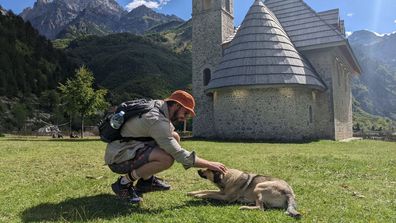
column 65, row 181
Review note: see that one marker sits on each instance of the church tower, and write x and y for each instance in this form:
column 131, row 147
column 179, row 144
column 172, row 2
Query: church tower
column 213, row 22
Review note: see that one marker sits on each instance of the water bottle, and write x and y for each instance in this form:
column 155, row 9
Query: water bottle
column 117, row 120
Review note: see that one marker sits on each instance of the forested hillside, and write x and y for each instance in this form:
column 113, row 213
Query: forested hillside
column 132, row 66
column 30, row 71
column 129, row 66
column 28, row 62
column 375, row 88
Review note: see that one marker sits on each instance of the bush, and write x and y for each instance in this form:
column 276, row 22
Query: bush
column 2, row 135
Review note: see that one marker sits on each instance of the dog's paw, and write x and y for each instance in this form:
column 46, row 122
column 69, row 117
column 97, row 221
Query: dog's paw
column 191, row 194
column 199, row 195
column 249, row 208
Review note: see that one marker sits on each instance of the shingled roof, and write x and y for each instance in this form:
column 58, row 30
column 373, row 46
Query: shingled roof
column 303, row 25
column 261, row 53
column 331, row 17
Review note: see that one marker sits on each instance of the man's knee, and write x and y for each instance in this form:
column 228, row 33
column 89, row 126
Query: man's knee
column 163, row 157
column 176, row 136
column 168, row 160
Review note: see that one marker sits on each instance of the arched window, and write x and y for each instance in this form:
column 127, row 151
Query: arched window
column 207, row 75
column 227, row 5
column 207, row 4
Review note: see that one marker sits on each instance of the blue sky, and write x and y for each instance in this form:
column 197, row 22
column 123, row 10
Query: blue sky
column 374, row 15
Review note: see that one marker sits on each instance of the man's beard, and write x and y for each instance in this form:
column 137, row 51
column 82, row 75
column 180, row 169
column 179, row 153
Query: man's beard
column 174, row 119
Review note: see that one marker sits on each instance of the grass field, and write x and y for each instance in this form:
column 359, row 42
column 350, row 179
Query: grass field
column 44, row 180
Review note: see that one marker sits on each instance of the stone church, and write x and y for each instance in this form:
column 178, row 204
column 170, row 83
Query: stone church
column 283, row 74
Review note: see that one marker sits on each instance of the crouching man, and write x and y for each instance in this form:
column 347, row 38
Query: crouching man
column 140, row 160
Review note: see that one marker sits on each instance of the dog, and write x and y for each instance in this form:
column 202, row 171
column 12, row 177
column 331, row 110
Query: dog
column 237, row 186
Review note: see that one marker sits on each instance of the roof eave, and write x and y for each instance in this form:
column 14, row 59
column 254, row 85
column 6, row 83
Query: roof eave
column 321, row 46
column 314, row 87
column 352, row 59
column 346, row 49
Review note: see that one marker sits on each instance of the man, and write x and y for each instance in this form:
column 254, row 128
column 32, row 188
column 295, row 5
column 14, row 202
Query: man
column 140, row 160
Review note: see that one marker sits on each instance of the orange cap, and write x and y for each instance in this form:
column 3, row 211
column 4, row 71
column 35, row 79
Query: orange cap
column 184, row 99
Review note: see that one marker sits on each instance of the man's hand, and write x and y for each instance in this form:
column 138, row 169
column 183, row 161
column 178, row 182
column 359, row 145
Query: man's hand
column 216, row 166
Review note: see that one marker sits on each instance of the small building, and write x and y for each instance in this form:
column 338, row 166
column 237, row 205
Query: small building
column 284, row 74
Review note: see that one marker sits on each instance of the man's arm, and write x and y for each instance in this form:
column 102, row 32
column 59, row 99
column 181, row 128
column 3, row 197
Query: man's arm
column 164, row 135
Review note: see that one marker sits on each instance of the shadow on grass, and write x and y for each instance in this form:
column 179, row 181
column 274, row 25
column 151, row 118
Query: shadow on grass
column 204, row 202
column 103, row 206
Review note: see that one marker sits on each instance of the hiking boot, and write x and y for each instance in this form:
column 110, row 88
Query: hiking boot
column 126, row 192
column 152, row 184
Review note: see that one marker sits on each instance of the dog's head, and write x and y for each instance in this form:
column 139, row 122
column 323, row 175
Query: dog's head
column 214, row 176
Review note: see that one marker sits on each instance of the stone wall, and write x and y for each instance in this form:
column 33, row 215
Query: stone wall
column 322, row 61
column 342, row 101
column 265, row 113
column 210, row 28
column 335, row 104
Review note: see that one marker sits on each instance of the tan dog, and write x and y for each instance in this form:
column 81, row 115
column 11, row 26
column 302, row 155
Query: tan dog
column 264, row 191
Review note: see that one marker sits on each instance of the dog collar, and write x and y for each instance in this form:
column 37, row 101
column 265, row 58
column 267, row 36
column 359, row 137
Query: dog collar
column 248, row 182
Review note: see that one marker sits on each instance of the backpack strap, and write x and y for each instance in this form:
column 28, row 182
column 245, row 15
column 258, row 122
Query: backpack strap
column 142, row 139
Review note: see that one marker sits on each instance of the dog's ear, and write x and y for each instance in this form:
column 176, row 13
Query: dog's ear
column 217, row 177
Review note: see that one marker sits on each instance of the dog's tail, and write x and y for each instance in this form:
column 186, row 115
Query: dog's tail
column 291, row 206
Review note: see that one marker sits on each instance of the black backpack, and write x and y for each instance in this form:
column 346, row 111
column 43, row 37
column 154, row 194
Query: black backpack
column 132, row 109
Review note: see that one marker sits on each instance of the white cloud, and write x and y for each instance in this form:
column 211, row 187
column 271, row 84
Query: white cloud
column 382, row 34
column 379, row 34
column 348, row 33
column 350, row 14
column 153, row 4
column 394, row 21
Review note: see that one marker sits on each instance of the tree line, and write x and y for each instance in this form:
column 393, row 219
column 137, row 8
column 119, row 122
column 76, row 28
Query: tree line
column 28, row 62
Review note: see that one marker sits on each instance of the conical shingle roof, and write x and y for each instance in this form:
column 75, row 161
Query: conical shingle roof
column 261, row 53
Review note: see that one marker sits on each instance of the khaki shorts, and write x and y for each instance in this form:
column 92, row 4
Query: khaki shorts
column 141, row 158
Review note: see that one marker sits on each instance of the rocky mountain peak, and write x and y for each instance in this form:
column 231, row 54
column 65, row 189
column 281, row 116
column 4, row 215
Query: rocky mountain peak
column 141, row 11
column 364, row 37
column 2, row 11
column 44, row 1
column 61, row 18
column 110, row 5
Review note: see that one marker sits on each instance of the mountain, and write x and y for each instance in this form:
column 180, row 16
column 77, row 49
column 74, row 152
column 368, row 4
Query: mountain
column 132, row 66
column 28, row 62
column 142, row 18
column 73, row 18
column 3, row 11
column 364, row 37
column 378, row 47
column 165, row 26
column 178, row 38
column 30, row 67
column 50, row 17
column 375, row 89
column 99, row 17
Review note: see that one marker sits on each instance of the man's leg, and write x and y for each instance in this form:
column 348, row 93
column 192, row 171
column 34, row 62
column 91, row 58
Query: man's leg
column 158, row 161
column 147, row 162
